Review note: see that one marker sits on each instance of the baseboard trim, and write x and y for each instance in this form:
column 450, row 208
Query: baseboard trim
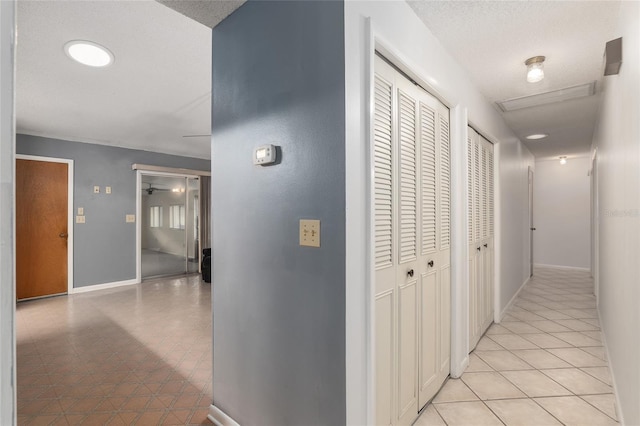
column 513, row 299
column 570, row 268
column 103, row 286
column 613, row 378
column 220, row 418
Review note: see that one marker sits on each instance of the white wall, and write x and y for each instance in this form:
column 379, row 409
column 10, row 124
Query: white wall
column 561, row 213
column 617, row 140
column 396, row 26
column 7, row 155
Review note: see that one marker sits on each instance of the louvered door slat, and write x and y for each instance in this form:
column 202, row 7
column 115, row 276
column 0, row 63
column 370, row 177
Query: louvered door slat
column 428, row 177
column 483, row 183
column 383, row 175
column 408, row 178
column 476, row 191
column 470, row 186
column 490, row 186
column 445, row 182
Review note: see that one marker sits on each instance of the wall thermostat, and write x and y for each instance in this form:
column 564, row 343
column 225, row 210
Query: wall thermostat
column 265, row 154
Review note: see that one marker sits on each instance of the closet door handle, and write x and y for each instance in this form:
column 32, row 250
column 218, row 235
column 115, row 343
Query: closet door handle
column 430, row 263
column 485, row 246
column 410, row 272
column 478, row 249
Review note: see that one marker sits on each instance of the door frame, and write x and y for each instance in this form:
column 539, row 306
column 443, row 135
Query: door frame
column 459, row 354
column 139, row 173
column 70, row 209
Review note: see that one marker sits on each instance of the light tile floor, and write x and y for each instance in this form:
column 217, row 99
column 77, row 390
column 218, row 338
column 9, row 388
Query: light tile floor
column 130, row 355
column 543, row 365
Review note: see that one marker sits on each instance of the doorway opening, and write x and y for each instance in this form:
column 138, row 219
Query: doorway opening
column 169, row 227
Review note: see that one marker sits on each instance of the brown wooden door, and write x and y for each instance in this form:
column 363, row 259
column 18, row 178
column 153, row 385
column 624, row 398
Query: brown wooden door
column 41, row 228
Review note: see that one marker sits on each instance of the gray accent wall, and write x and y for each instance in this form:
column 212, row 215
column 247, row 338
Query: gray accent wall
column 104, row 246
column 278, row 307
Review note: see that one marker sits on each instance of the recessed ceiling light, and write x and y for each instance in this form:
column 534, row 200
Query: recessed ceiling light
column 537, row 136
column 88, row 53
column 563, row 160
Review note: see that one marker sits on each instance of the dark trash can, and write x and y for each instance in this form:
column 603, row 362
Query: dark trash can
column 206, row 265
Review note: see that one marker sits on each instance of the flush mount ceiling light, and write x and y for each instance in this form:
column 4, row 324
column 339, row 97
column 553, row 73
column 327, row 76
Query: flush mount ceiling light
column 560, row 95
column 537, row 136
column 88, row 53
column 563, row 160
column 535, row 69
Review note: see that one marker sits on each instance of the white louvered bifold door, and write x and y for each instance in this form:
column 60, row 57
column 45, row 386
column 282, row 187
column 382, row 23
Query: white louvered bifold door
column 385, row 259
column 481, row 227
column 487, row 242
column 411, row 155
column 429, row 280
column 472, row 211
column 407, row 273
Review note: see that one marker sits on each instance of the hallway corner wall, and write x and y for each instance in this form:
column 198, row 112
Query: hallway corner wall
column 278, row 307
column 562, row 213
column 617, row 140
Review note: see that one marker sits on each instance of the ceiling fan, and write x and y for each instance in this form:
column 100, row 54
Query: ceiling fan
column 151, row 189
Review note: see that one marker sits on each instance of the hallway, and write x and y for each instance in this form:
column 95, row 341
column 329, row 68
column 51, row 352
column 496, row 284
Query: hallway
column 543, row 365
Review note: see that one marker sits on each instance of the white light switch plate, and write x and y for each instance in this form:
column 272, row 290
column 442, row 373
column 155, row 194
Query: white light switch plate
column 96, row 189
column 310, row 232
column 80, row 211
column 107, row 190
column 130, row 218
column 80, row 219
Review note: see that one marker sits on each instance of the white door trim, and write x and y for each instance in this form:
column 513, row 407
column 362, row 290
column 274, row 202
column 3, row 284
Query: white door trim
column 70, row 210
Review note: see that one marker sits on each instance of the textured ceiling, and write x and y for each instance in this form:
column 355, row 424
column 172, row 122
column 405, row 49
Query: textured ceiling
column 157, row 90
column 492, row 39
column 207, row 12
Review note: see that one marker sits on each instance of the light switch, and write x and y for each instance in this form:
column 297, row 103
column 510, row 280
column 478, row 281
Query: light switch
column 310, row 232
column 80, row 211
column 80, row 219
column 130, row 218
column 107, row 190
column 96, row 189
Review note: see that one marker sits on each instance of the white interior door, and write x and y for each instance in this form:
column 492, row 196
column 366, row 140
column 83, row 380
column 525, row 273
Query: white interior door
column 412, row 245
column 480, row 200
column 531, row 227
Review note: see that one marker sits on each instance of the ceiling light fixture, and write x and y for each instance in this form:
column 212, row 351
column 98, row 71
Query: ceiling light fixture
column 535, row 69
column 88, row 53
column 537, row 136
column 563, row 160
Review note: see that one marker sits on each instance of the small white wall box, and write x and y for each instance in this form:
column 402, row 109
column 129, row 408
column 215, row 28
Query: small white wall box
column 265, row 154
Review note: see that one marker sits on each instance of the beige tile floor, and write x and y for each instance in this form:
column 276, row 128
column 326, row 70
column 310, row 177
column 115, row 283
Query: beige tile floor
column 543, row 365
column 142, row 355
column 131, row 355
